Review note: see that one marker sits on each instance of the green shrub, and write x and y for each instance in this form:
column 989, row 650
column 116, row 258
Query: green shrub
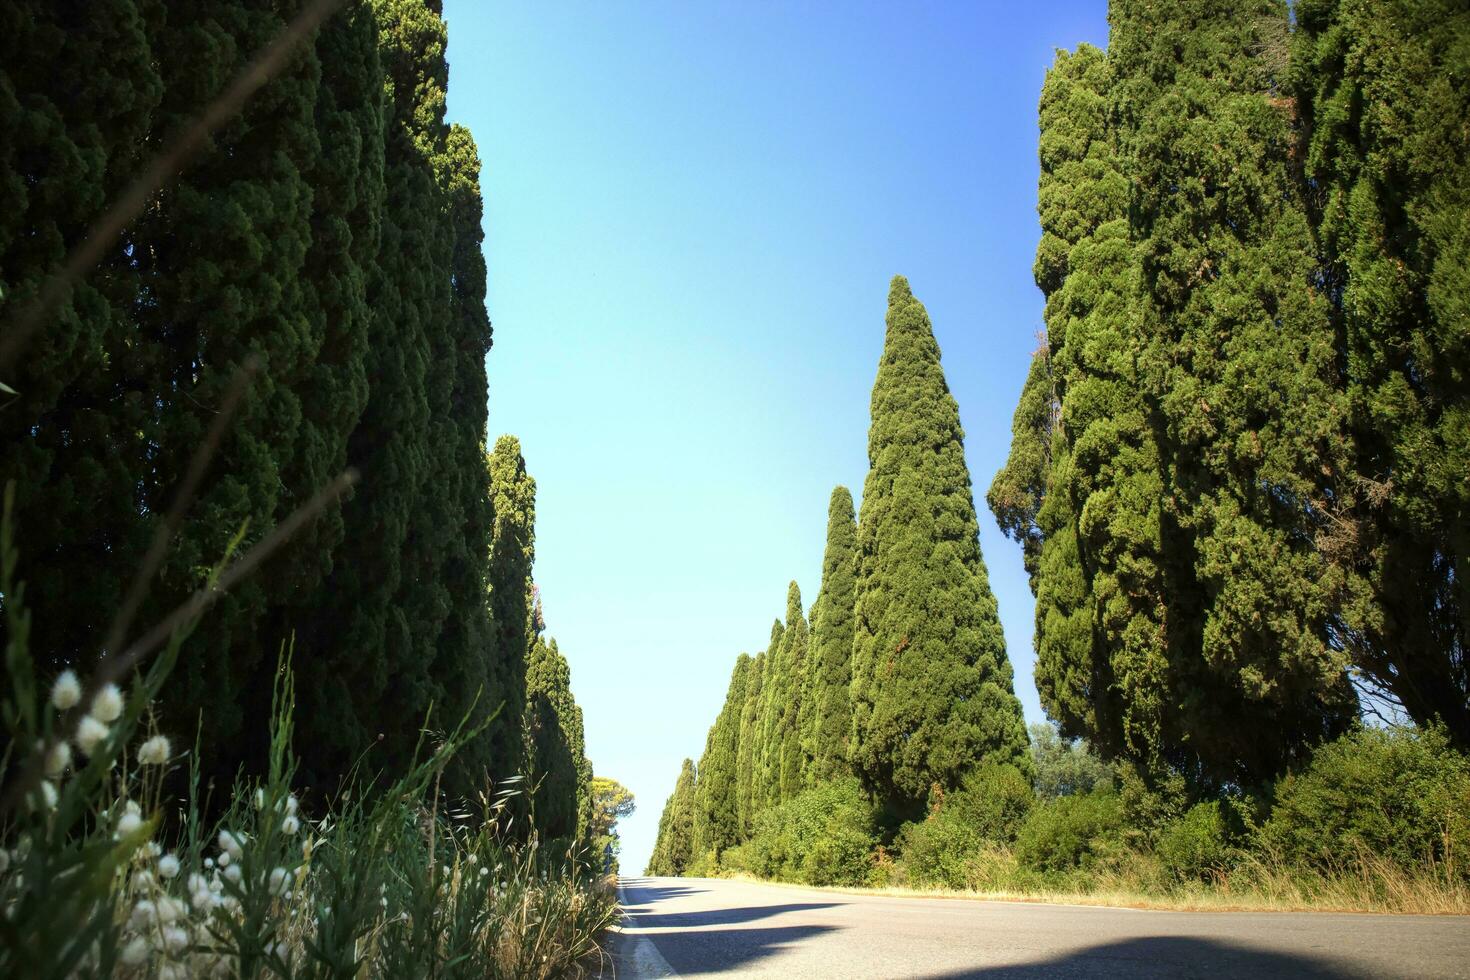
column 994, row 800
column 936, row 851
column 1402, row 794
column 824, row 836
column 1195, row 846
column 1071, row 832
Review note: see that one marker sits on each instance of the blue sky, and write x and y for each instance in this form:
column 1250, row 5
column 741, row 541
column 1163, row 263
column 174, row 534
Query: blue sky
column 692, row 214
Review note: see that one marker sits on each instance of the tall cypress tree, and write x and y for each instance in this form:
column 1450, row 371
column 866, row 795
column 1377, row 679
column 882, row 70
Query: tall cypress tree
column 931, row 689
column 766, row 779
column 512, row 553
column 1240, row 369
column 673, row 849
column 748, row 753
column 793, row 676
column 716, row 808
column 1381, row 94
column 552, row 757
column 827, row 713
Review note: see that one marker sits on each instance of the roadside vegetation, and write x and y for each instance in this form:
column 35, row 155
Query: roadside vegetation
column 1237, row 475
column 279, row 698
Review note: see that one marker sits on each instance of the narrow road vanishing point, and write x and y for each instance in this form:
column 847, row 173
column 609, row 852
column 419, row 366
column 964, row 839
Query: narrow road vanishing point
column 704, row 927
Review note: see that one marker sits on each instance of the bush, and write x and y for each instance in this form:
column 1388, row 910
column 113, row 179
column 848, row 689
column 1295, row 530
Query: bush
column 935, row 852
column 1402, row 794
column 1194, row 847
column 1071, row 832
column 994, row 800
column 824, row 836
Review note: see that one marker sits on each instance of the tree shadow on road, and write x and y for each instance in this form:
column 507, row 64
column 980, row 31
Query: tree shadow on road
column 1166, row 956
column 705, row 951
column 715, row 917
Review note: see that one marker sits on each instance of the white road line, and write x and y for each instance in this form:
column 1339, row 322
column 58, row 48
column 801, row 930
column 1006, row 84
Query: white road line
column 644, row 961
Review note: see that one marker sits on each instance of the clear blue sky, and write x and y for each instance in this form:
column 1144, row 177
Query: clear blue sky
column 692, row 214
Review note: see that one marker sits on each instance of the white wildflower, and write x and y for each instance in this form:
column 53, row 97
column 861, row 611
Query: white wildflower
column 48, row 795
column 142, row 880
column 170, row 909
column 291, row 804
column 107, row 704
column 57, row 759
column 202, row 899
column 143, row 915
column 168, row 866
column 232, row 844
column 290, row 825
column 209, row 862
column 224, row 860
column 259, row 799
column 484, row 872
column 278, row 881
column 151, row 849
column 128, row 823
column 155, row 751
column 173, row 971
column 233, row 873
column 473, row 859
column 175, row 939
column 90, row 732
column 135, row 952
column 67, row 691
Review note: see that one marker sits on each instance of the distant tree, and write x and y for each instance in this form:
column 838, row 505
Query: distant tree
column 1381, row 95
column 674, row 847
column 826, row 712
column 748, row 755
column 1062, row 766
column 716, row 805
column 932, row 689
column 611, row 801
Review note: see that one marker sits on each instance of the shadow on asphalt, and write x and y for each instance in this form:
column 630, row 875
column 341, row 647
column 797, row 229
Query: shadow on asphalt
column 1164, row 956
column 716, row 917
column 724, row 950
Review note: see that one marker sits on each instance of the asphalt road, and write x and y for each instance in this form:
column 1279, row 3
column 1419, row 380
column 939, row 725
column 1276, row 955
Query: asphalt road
column 702, row 927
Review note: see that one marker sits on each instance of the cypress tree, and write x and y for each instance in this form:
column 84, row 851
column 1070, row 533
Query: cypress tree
column 716, row 808
column 74, row 437
column 766, row 779
column 791, row 776
column 1081, row 488
column 553, row 741
column 931, row 689
column 1380, row 90
column 512, row 553
column 828, row 716
column 673, row 849
column 1239, row 367
column 748, row 752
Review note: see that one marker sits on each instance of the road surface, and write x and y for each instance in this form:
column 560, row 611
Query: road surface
column 702, row 927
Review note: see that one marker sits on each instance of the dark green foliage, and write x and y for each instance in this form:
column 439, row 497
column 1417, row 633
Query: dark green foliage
column 554, row 749
column 822, row 836
column 1195, row 846
column 747, row 760
column 986, row 810
column 1398, row 794
column 1238, row 365
column 1381, row 93
column 1062, row 766
column 931, row 688
column 716, row 810
column 75, row 433
column 512, row 553
column 1071, row 832
column 673, row 849
column 827, row 716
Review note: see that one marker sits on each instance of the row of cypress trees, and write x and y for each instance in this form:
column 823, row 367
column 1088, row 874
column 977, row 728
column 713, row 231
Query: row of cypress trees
column 1240, row 469
column 900, row 675
column 329, row 233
